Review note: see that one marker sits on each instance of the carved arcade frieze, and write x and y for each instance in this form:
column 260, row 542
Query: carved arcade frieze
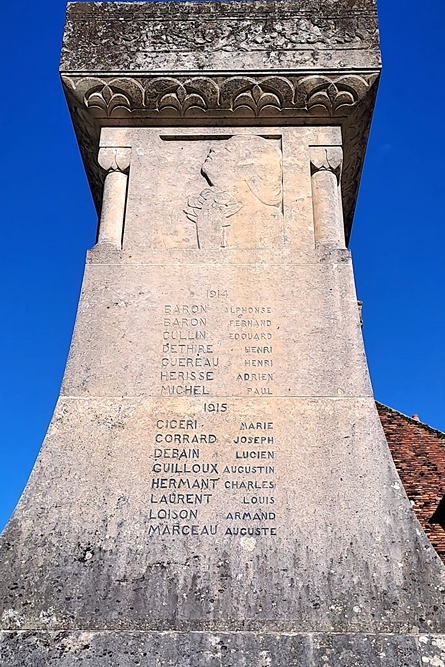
column 340, row 99
column 244, row 96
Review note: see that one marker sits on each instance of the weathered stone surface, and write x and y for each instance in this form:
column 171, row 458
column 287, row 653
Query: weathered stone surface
column 119, row 562
column 127, row 316
column 432, row 650
column 215, row 487
column 223, row 463
column 256, row 36
column 244, row 63
column 64, row 649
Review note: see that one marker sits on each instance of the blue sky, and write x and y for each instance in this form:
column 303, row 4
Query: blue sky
column 398, row 240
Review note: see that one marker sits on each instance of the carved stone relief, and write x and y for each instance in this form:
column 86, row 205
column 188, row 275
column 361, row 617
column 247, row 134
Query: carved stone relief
column 344, row 99
column 241, row 205
column 256, row 35
column 216, row 189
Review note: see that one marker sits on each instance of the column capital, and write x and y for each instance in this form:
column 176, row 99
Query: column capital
column 326, row 158
column 114, row 159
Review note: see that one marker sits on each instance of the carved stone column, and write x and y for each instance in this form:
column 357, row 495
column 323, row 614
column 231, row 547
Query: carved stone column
column 326, row 164
column 116, row 162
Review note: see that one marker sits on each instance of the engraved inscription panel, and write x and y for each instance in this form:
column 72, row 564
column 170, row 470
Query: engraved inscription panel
column 221, row 348
column 213, row 469
column 212, row 474
column 218, row 348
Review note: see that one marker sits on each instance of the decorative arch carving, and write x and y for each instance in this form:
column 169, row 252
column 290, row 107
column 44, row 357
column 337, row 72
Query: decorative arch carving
column 148, row 97
column 207, row 99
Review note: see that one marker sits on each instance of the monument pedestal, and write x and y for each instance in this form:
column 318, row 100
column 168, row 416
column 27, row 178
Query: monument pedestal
column 215, row 487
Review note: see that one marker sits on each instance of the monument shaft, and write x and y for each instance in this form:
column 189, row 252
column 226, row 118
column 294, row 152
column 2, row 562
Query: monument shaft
column 215, row 487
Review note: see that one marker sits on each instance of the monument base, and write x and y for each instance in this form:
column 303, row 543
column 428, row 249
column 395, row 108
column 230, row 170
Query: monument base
column 222, row 649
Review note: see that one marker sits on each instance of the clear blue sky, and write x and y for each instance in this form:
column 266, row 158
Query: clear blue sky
column 49, row 221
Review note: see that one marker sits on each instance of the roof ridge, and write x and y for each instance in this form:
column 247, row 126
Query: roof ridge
column 411, row 420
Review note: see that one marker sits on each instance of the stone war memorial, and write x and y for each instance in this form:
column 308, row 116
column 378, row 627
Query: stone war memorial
column 215, row 489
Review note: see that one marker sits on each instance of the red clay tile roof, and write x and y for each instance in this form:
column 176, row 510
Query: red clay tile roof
column 419, row 455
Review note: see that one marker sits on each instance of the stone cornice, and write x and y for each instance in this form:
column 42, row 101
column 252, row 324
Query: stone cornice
column 258, row 35
column 344, row 98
